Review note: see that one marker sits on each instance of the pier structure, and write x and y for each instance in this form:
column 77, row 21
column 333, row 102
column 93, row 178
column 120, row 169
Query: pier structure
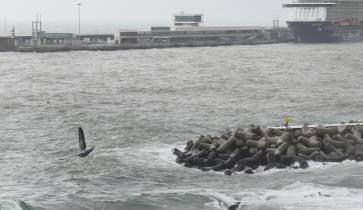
column 41, row 38
column 7, row 44
column 55, row 38
column 186, row 31
column 96, row 38
column 190, row 36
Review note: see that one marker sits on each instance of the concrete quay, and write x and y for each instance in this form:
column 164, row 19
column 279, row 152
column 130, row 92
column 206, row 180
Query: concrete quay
column 128, row 40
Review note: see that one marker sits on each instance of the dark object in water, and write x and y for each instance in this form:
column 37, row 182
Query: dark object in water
column 82, row 144
column 234, row 206
column 249, row 171
column 228, row 172
column 303, row 164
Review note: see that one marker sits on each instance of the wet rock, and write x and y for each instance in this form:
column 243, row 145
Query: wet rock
column 280, row 166
column 219, row 167
column 228, row 172
column 249, row 171
column 358, row 152
column 273, row 148
column 224, row 156
column 240, row 135
column 291, row 150
column 271, row 158
column 234, row 206
column 228, row 132
column 212, row 155
column 282, row 148
column 188, row 164
column 206, row 169
column 177, row 152
column 330, row 131
column 189, row 145
column 309, row 142
column 344, row 129
column 303, row 164
column 239, row 167
column 230, row 143
column 268, row 167
column 288, row 160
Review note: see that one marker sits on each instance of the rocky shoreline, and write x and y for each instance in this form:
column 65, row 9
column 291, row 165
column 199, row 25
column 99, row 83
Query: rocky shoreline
column 246, row 149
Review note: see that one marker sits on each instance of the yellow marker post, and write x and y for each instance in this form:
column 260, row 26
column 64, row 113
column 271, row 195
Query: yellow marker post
column 286, row 119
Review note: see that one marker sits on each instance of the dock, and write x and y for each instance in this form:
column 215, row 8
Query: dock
column 56, row 42
column 186, row 32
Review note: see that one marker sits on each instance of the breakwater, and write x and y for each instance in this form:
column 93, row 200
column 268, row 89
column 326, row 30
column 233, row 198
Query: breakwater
column 112, row 47
column 247, row 149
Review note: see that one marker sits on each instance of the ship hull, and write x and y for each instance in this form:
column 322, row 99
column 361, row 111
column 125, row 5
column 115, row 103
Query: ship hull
column 324, row 32
column 314, row 31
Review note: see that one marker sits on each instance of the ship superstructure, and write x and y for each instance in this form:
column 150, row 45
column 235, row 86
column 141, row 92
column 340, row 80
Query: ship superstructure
column 326, row 20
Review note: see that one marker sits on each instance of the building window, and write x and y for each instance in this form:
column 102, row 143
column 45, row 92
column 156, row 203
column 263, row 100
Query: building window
column 188, row 18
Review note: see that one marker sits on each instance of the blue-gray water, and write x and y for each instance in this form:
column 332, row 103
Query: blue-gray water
column 135, row 106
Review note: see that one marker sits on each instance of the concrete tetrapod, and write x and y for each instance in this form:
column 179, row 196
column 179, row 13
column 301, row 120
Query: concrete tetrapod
column 247, row 149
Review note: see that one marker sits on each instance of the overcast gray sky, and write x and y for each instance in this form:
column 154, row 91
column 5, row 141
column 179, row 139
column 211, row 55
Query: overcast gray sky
column 100, row 16
column 223, row 11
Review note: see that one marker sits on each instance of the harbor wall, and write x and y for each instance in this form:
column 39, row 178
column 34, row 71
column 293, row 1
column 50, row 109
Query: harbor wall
column 171, row 39
column 7, row 44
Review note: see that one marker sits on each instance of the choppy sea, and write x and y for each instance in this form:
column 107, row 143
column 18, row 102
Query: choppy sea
column 135, row 106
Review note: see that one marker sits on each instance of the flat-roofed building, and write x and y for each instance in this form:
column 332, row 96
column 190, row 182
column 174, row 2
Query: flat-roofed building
column 126, row 37
column 182, row 20
column 55, row 38
column 187, row 31
column 160, row 28
column 7, row 43
column 189, row 35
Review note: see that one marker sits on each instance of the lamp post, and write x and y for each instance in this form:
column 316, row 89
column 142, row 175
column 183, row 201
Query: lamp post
column 79, row 21
column 5, row 27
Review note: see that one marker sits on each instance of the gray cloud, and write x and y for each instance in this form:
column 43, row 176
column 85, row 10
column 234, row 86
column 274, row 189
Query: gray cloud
column 142, row 12
column 253, row 11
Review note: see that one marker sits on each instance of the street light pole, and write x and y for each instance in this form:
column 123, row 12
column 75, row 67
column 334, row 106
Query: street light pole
column 5, row 27
column 79, row 21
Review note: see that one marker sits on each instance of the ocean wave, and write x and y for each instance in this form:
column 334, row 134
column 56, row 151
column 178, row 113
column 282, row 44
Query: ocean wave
column 293, row 196
column 313, row 167
column 194, row 199
column 146, row 155
column 303, row 196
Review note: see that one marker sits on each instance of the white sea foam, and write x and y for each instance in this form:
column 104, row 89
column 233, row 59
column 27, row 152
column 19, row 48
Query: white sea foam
column 149, row 154
column 313, row 166
column 294, row 196
column 220, row 200
column 303, row 196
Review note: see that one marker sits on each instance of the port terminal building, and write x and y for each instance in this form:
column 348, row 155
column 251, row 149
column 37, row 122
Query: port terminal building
column 187, row 30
